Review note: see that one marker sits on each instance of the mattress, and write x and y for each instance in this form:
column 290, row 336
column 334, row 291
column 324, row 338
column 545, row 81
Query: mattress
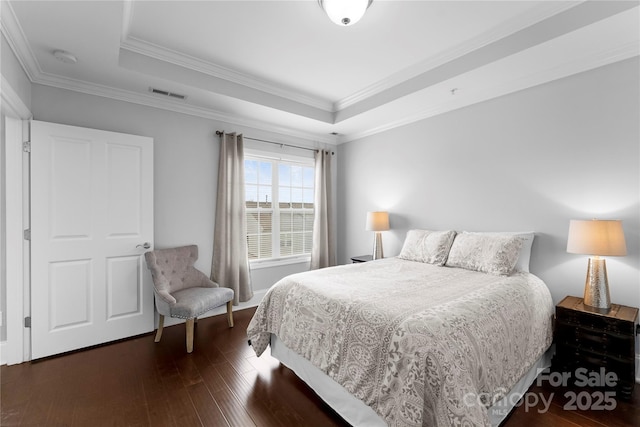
column 418, row 344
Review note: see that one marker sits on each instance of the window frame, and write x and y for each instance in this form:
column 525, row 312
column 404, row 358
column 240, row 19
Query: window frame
column 280, row 260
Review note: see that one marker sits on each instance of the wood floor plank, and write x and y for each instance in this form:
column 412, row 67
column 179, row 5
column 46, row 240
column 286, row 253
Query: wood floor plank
column 188, row 371
column 60, row 411
column 156, row 400
column 17, row 392
column 12, row 415
column 233, row 410
column 180, row 404
column 206, row 406
column 37, row 411
column 16, row 372
column 181, row 408
column 239, row 362
column 138, row 382
column 278, row 408
column 298, row 395
column 627, row 412
column 208, row 372
column 211, row 351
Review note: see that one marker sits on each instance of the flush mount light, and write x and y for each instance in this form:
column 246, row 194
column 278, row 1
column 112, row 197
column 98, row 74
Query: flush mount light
column 345, row 12
column 64, row 56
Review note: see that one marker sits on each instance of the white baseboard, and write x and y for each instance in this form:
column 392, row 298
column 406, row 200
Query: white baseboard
column 253, row 302
column 3, row 350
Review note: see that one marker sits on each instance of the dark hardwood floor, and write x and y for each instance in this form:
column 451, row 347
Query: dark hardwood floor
column 137, row 382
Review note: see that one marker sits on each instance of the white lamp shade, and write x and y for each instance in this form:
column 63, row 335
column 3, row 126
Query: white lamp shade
column 345, row 12
column 596, row 237
column 377, row 221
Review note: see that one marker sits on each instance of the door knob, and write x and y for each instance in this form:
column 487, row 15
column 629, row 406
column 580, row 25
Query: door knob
column 145, row 245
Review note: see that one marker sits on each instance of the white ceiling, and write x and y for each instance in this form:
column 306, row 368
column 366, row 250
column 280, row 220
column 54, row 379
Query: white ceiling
column 282, row 66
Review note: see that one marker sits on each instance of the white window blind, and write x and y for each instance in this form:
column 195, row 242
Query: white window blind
column 279, row 207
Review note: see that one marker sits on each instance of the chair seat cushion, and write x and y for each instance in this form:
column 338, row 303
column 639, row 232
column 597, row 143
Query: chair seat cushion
column 192, row 302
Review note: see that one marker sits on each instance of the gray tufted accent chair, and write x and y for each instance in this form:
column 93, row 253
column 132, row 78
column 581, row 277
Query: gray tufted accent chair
column 183, row 291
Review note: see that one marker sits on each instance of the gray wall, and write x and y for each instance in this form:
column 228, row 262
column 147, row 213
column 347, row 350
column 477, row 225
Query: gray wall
column 15, row 76
column 185, row 165
column 528, row 161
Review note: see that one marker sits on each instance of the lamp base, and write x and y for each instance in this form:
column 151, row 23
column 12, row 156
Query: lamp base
column 596, row 287
column 377, row 246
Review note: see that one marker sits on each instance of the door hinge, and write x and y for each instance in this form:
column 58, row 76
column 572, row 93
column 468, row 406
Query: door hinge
column 27, row 234
column 26, row 146
column 27, row 322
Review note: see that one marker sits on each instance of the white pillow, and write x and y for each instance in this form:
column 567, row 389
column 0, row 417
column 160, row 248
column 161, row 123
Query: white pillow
column 525, row 252
column 427, row 246
column 489, row 253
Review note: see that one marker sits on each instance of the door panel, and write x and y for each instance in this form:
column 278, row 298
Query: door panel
column 92, row 205
column 70, row 284
column 123, row 190
column 70, row 188
column 124, row 289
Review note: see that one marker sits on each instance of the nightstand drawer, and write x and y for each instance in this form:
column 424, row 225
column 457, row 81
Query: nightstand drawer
column 594, row 321
column 577, row 353
column 596, row 340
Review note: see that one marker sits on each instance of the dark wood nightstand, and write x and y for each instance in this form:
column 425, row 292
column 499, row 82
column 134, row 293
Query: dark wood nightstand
column 595, row 341
column 361, row 258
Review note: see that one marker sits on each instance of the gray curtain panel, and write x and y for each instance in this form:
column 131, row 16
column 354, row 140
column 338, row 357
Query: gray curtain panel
column 323, row 252
column 230, row 264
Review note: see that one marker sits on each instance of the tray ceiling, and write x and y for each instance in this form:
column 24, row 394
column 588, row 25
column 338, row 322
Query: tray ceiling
column 282, row 66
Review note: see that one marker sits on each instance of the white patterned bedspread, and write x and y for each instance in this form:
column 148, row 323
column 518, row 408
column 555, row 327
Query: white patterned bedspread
column 409, row 339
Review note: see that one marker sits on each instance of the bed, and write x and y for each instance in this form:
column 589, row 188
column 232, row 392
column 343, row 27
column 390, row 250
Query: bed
column 438, row 336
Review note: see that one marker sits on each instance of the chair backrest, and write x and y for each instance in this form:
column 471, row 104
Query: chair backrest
column 172, row 269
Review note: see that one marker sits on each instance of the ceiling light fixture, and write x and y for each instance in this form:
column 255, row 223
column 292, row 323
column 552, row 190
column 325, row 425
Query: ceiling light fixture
column 64, row 56
column 345, row 12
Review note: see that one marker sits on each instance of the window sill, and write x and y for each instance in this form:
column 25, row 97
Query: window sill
column 277, row 262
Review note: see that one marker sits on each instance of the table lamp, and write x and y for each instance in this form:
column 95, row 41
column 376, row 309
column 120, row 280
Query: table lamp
column 377, row 221
column 596, row 238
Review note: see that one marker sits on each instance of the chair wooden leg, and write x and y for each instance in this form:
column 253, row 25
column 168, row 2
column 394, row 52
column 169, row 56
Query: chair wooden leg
column 230, row 312
column 160, row 326
column 189, row 326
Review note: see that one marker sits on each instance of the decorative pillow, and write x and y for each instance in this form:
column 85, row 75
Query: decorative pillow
column 427, row 246
column 494, row 254
column 525, row 252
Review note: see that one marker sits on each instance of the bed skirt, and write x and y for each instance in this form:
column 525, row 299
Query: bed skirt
column 356, row 413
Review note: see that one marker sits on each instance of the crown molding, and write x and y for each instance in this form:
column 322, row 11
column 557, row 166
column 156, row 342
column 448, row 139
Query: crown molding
column 506, row 29
column 175, row 106
column 12, row 32
column 151, row 50
column 586, row 63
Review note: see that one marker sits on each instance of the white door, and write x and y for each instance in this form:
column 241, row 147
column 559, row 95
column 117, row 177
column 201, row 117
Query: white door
column 91, row 214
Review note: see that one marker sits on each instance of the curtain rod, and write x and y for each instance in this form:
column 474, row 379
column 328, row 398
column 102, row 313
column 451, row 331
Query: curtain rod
column 219, row 133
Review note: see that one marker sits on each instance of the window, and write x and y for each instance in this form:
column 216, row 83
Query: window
column 279, row 207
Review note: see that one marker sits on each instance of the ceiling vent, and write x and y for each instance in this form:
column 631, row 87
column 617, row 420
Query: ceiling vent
column 167, row 93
